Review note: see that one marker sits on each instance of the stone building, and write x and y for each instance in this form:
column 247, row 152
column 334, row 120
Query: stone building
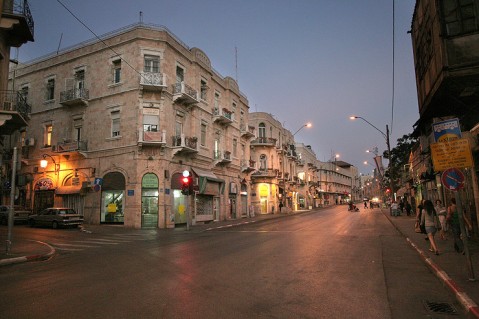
column 445, row 38
column 16, row 28
column 119, row 120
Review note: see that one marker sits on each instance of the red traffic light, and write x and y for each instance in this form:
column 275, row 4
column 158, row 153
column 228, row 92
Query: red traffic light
column 185, row 180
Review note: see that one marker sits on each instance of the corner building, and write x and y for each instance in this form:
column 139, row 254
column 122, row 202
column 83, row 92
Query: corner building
column 119, row 120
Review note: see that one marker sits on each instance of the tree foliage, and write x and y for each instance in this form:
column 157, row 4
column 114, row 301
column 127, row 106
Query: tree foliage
column 399, row 156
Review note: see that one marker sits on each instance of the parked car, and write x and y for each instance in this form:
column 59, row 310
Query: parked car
column 20, row 214
column 56, row 217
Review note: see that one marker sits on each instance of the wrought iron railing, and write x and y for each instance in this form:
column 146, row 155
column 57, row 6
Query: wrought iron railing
column 14, row 101
column 20, row 7
column 74, row 94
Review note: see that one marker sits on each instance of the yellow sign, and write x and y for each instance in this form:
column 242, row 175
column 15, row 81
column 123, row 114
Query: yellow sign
column 263, row 191
column 111, row 208
column 455, row 153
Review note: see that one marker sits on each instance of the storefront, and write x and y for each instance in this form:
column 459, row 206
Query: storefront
column 149, row 201
column 112, row 199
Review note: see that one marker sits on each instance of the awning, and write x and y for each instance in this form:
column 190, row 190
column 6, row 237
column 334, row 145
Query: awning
column 68, row 190
column 208, row 176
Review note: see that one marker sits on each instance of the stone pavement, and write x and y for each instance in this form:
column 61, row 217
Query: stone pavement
column 450, row 267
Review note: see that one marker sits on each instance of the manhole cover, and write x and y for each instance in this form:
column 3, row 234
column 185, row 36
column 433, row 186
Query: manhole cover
column 440, row 307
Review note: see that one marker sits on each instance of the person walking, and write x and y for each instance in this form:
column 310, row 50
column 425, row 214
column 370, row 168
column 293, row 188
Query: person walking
column 453, row 220
column 441, row 213
column 427, row 219
column 408, row 208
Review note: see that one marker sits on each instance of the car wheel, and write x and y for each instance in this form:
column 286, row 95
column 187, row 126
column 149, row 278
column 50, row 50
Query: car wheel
column 54, row 225
column 31, row 222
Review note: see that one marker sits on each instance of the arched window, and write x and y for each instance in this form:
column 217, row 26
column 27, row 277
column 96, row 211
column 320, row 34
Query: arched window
column 263, row 162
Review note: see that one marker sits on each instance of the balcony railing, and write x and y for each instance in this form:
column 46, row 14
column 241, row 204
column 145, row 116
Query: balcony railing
column 152, row 137
column 265, row 141
column 184, row 94
column 23, row 31
column 153, row 80
column 222, row 116
column 70, row 146
column 186, row 144
column 247, row 130
column 270, row 173
column 248, row 165
column 14, row 101
column 75, row 97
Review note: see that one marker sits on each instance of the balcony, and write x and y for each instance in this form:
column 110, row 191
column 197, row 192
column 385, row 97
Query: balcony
column 70, row 146
column 184, row 94
column 74, row 97
column 265, row 173
column 184, row 145
column 14, row 112
column 247, row 131
column 153, row 81
column 247, row 165
column 264, row 141
column 222, row 116
column 18, row 21
column 152, row 138
column 222, row 158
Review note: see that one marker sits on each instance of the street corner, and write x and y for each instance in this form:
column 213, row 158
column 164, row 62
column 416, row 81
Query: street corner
column 25, row 251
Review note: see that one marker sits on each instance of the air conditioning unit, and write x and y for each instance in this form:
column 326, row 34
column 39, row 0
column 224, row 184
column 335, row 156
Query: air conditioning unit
column 29, row 141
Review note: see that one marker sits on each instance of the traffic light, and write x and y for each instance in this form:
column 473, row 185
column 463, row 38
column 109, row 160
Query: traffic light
column 185, row 185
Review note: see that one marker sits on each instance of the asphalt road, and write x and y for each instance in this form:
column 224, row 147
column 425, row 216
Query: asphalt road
column 325, row 264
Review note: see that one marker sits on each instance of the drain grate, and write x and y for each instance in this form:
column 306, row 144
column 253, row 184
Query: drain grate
column 440, row 307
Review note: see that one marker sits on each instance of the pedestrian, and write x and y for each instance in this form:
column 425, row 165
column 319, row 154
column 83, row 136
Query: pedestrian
column 365, row 204
column 427, row 219
column 419, row 213
column 408, row 208
column 280, row 206
column 441, row 213
column 401, row 206
column 453, row 221
column 395, row 209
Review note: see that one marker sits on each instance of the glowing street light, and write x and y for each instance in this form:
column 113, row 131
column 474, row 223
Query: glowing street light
column 303, row 126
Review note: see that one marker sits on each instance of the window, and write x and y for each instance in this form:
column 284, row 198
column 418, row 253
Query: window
column 115, row 123
column 80, row 80
column 24, row 93
column 77, row 129
column 50, row 90
column 459, row 16
column 203, row 134
column 263, row 162
column 150, row 123
column 203, row 89
column 48, row 135
column 152, row 64
column 180, row 74
column 235, row 147
column 233, row 110
column 217, row 100
column 117, row 71
column 262, row 130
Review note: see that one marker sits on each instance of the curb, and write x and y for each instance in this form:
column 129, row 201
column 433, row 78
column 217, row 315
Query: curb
column 468, row 304
column 17, row 260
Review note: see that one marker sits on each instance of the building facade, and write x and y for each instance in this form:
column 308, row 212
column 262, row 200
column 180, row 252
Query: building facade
column 118, row 121
column 16, row 28
column 445, row 38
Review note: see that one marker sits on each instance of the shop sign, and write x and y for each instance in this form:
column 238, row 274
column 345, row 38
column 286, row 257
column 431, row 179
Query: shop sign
column 149, row 181
column 44, row 184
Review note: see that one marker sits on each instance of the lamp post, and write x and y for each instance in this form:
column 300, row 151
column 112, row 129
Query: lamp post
column 386, row 137
column 303, row 126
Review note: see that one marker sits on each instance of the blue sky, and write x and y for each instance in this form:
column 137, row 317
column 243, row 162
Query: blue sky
column 316, row 61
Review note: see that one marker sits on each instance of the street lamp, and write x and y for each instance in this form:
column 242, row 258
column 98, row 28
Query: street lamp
column 386, row 137
column 303, row 126
column 44, row 162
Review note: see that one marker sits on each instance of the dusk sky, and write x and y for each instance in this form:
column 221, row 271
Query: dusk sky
column 317, row 61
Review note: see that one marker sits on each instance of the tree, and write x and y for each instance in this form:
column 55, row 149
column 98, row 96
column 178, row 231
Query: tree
column 399, row 157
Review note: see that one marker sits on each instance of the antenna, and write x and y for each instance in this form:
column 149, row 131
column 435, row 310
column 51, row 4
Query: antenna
column 236, row 63
column 59, row 43
column 141, row 16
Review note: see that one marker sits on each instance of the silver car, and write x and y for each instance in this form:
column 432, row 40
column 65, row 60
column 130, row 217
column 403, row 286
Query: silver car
column 56, row 217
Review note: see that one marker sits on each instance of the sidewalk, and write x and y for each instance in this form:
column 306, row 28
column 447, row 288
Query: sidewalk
column 450, row 267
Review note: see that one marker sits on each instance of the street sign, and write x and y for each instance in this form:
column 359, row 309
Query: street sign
column 454, row 153
column 447, row 130
column 453, row 179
